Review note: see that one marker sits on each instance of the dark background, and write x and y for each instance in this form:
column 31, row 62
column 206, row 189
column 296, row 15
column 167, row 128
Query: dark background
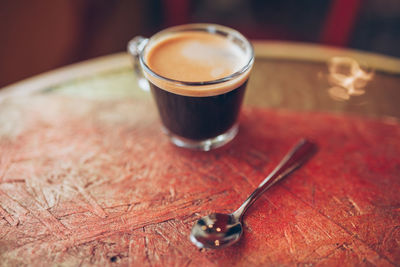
column 40, row 35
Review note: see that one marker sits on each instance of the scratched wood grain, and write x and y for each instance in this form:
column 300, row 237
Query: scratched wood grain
column 94, row 182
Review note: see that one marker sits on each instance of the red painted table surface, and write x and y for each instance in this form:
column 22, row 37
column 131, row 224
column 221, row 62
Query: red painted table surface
column 92, row 182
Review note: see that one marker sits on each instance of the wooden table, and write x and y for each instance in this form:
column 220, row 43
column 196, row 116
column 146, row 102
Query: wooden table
column 87, row 178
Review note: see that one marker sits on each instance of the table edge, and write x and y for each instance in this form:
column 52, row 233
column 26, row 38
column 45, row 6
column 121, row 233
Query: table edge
column 322, row 53
column 263, row 49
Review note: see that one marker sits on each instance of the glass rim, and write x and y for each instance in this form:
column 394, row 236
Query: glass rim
column 204, row 27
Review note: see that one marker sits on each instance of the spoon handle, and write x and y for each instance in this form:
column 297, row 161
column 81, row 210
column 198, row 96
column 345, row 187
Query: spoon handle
column 293, row 159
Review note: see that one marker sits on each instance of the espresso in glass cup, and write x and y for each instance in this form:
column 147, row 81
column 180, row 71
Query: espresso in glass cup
column 197, row 74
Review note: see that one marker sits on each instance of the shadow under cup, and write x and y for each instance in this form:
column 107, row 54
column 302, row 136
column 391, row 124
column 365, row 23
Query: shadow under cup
column 200, row 115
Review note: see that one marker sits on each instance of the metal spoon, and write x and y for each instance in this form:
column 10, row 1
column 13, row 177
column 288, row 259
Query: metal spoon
column 219, row 230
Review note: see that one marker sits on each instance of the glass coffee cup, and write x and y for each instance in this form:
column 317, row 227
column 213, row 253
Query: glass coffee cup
column 197, row 74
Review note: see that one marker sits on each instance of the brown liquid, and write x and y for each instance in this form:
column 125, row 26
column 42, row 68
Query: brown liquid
column 197, row 112
column 198, row 118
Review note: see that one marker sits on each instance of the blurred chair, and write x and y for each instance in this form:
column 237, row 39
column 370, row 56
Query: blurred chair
column 337, row 25
column 340, row 22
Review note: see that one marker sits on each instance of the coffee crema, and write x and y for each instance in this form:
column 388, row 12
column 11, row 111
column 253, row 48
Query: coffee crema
column 200, row 57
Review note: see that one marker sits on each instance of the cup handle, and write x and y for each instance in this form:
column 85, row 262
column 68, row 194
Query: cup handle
column 135, row 47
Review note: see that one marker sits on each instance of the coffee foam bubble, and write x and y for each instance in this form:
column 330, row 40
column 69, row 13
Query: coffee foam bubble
column 196, row 57
column 217, row 60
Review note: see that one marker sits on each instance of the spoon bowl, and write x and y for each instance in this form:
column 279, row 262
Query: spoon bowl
column 216, row 230
column 219, row 230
